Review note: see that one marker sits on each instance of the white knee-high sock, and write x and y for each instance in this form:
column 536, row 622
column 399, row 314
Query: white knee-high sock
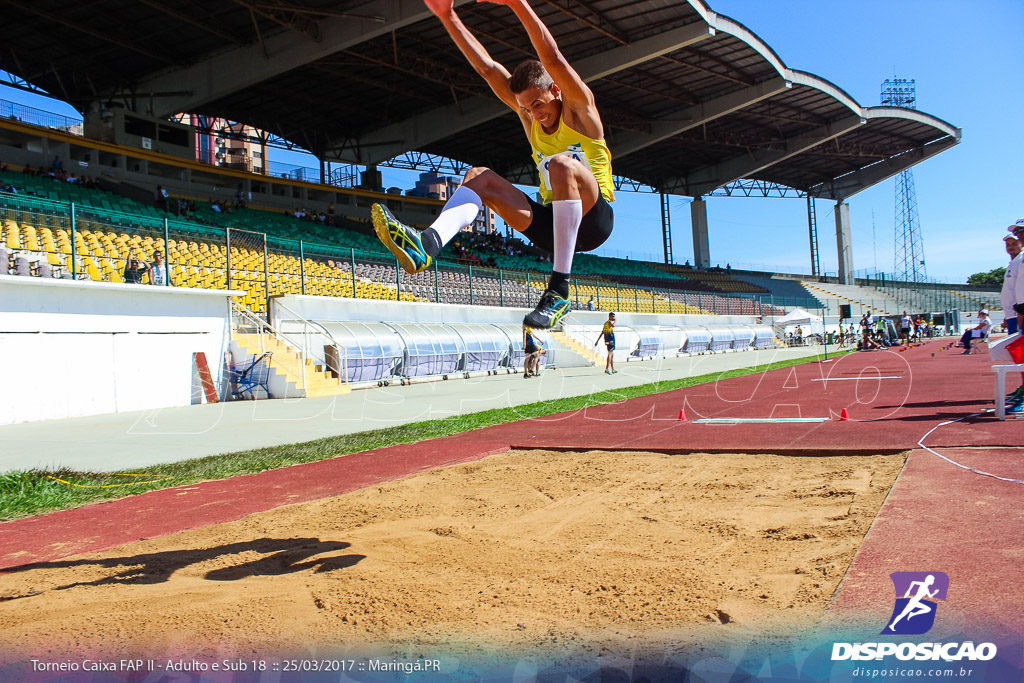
column 459, row 211
column 566, row 214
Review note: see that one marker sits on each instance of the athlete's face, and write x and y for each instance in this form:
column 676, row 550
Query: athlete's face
column 544, row 105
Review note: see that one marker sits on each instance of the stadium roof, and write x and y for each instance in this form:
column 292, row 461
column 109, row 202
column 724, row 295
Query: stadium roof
column 691, row 100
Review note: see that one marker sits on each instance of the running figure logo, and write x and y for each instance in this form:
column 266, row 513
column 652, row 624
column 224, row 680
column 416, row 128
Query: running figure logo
column 917, row 594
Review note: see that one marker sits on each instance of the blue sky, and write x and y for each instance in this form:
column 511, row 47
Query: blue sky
column 968, row 64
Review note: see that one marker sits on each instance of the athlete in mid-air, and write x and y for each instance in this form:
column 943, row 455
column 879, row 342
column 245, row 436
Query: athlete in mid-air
column 566, row 135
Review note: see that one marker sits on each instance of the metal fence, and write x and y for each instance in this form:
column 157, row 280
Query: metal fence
column 49, row 238
column 40, row 117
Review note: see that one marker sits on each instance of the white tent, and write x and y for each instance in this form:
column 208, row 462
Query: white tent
column 798, row 317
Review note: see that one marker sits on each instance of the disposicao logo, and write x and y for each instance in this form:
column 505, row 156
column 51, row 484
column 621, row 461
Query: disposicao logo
column 917, row 596
column 914, row 612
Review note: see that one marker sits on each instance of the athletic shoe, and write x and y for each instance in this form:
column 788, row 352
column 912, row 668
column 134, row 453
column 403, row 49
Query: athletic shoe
column 1016, row 393
column 549, row 311
column 966, row 352
column 1017, row 407
column 402, row 241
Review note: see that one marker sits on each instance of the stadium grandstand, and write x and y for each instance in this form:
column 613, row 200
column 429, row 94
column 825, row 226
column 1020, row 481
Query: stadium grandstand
column 314, row 294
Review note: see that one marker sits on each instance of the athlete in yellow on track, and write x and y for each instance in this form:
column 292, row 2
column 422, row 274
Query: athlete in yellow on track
column 561, row 120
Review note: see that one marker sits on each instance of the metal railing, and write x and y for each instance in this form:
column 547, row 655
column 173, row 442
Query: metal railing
column 311, row 330
column 40, row 117
column 94, row 242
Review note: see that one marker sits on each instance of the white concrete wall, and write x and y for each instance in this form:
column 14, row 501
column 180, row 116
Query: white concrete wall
column 69, row 349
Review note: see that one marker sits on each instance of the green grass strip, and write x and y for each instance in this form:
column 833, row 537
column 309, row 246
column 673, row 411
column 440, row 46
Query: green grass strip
column 33, row 492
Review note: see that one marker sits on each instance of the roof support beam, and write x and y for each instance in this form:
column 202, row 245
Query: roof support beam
column 242, row 67
column 850, row 184
column 420, row 131
column 59, row 19
column 697, row 115
column 705, row 180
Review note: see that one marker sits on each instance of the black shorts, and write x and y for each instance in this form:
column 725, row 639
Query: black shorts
column 595, row 228
column 530, row 349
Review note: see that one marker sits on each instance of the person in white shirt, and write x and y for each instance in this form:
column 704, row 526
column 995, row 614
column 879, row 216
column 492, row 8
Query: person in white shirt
column 158, row 270
column 1017, row 229
column 905, row 325
column 980, row 331
column 1013, row 274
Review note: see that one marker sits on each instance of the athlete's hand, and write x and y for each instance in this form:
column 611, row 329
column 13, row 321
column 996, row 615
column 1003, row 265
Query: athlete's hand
column 440, row 8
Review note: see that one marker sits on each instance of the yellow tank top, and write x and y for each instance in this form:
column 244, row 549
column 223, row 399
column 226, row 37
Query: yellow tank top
column 565, row 140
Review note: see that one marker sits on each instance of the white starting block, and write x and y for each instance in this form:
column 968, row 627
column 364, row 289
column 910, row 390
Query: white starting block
column 998, row 351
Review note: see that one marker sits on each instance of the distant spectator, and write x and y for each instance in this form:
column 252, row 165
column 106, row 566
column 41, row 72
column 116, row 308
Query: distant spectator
column 135, row 268
column 866, row 326
column 3, row 167
column 330, row 209
column 590, row 304
column 158, row 270
column 608, row 334
column 160, row 197
column 57, row 165
column 530, row 350
column 979, row 331
column 240, row 197
column 214, row 206
column 28, row 170
column 905, row 326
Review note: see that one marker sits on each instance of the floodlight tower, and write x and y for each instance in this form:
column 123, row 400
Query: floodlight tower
column 909, row 260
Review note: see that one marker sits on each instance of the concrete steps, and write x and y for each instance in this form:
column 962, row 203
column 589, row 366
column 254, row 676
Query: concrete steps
column 570, row 344
column 289, row 377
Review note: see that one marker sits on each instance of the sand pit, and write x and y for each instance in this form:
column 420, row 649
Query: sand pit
column 528, row 550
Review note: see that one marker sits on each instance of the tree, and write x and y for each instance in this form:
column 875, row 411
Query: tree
column 993, row 277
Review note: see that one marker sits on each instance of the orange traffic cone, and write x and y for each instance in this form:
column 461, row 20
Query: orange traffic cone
column 844, row 416
column 682, row 415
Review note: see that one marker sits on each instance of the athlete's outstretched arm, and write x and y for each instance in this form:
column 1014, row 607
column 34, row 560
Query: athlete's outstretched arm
column 491, row 71
column 575, row 93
